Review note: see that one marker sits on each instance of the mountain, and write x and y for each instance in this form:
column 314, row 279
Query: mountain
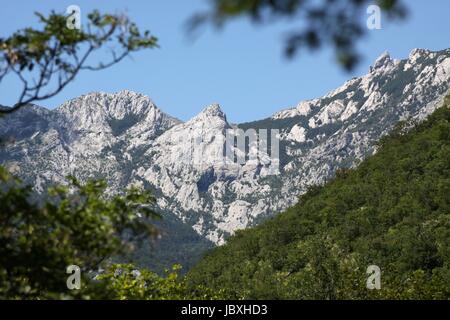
column 125, row 139
column 86, row 137
column 391, row 212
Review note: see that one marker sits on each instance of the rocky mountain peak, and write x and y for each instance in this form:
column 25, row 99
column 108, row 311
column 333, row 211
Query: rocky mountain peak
column 124, row 101
column 382, row 61
column 117, row 113
column 211, row 116
column 417, row 52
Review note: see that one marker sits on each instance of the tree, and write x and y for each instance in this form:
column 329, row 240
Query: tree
column 45, row 61
column 125, row 282
column 337, row 23
column 74, row 225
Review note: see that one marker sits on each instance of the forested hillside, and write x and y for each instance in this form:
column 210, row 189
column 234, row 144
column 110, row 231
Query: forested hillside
column 393, row 211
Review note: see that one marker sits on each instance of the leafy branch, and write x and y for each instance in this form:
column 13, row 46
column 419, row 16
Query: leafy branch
column 45, row 61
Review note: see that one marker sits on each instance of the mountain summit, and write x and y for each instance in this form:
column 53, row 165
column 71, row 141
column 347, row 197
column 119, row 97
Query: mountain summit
column 383, row 61
column 213, row 110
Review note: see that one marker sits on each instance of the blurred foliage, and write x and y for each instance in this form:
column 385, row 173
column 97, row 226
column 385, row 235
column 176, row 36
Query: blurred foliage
column 125, row 282
column 79, row 225
column 75, row 225
column 338, row 23
column 45, row 60
column 392, row 211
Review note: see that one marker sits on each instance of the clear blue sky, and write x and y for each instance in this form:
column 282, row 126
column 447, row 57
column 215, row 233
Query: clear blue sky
column 241, row 67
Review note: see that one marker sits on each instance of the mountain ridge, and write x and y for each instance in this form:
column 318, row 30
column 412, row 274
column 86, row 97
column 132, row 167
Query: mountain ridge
column 129, row 141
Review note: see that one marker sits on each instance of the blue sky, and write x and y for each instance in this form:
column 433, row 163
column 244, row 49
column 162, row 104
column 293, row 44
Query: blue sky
column 241, row 67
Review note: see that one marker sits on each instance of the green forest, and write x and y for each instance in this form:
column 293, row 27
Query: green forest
column 393, row 211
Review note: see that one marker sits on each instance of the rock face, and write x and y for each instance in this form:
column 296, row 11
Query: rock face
column 125, row 139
